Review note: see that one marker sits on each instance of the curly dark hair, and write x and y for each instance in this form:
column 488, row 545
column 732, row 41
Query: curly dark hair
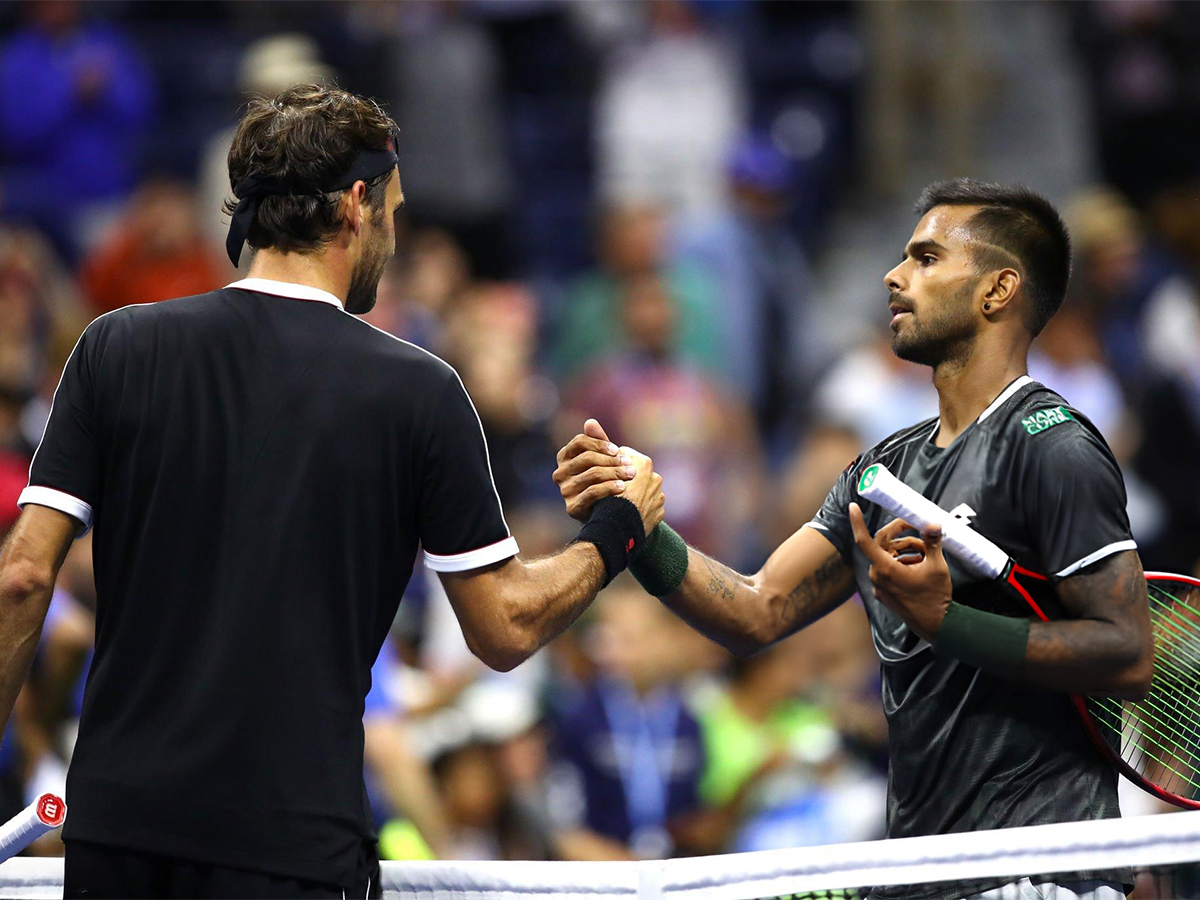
column 306, row 136
column 1018, row 222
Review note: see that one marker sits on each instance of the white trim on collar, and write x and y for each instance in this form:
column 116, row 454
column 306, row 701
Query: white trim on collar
column 286, row 289
column 1003, row 398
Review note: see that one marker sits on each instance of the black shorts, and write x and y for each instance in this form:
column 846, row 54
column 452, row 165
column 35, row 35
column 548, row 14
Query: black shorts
column 99, row 871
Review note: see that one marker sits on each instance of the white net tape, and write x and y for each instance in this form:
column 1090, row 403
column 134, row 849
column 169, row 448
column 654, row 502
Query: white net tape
column 1162, row 840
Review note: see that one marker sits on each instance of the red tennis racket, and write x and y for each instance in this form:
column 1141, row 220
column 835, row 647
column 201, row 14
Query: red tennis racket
column 1155, row 741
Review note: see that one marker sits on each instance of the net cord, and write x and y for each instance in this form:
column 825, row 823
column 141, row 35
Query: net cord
column 1076, row 846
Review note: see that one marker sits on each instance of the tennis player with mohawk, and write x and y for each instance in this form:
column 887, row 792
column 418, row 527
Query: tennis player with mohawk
column 982, row 733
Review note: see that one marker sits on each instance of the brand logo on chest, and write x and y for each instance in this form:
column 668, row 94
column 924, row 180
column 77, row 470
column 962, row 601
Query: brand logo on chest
column 1046, row 418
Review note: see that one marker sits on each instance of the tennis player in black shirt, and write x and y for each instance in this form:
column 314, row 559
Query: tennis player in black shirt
column 982, row 734
column 259, row 467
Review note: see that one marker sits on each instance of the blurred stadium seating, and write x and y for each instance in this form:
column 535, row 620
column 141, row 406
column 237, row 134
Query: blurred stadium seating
column 693, row 198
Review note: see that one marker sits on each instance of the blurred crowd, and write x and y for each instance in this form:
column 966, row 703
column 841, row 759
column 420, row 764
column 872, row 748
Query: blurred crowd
column 614, row 209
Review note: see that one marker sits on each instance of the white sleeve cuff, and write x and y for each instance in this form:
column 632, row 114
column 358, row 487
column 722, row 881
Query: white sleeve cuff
column 1107, row 550
column 472, row 559
column 72, row 506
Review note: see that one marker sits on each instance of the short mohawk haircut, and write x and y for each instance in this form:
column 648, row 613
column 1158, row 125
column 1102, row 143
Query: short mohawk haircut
column 1020, row 223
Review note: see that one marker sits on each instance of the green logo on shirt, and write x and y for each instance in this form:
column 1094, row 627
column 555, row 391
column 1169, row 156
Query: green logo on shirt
column 1046, row 418
column 867, row 478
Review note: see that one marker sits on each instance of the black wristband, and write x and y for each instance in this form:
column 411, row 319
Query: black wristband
column 616, row 528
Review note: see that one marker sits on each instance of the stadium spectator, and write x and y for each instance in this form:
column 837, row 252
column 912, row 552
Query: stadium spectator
column 699, row 434
column 156, row 252
column 1141, row 65
column 75, row 100
column 670, row 104
column 419, row 288
column 474, row 796
column 779, row 774
column 400, row 784
column 491, row 335
column 39, row 308
column 629, row 743
column 633, row 242
column 445, row 84
column 268, row 66
column 871, row 392
column 762, row 279
column 1128, row 284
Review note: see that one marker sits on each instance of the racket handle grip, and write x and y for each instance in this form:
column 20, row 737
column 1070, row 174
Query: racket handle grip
column 972, row 549
column 42, row 816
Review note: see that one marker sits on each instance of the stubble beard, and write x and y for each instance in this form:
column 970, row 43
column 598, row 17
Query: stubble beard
column 364, row 280
column 945, row 338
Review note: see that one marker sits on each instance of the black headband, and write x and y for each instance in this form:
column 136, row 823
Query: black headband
column 367, row 165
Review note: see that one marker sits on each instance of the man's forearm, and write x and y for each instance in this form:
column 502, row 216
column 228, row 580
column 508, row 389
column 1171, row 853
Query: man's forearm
column 29, row 563
column 511, row 610
column 552, row 592
column 723, row 605
column 1105, row 647
column 1084, row 657
column 22, row 612
column 746, row 613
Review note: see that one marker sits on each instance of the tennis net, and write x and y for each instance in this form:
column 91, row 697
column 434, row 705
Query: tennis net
column 1159, row 854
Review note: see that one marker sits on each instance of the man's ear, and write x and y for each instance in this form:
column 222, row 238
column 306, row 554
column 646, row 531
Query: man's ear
column 1000, row 289
column 355, row 201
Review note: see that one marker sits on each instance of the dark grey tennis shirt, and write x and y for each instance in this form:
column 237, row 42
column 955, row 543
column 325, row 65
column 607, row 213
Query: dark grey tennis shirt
column 971, row 750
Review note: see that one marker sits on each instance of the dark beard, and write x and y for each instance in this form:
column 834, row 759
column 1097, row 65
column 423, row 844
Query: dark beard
column 364, row 282
column 942, row 340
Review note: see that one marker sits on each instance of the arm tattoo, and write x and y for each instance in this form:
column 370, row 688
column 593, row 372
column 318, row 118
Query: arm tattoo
column 1112, row 596
column 810, row 595
column 1113, row 590
column 718, row 581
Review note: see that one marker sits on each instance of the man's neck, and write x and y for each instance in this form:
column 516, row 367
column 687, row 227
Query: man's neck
column 316, row 270
column 968, row 386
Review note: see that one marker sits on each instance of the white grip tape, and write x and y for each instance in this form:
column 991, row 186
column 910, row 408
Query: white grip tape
column 42, row 816
column 969, row 547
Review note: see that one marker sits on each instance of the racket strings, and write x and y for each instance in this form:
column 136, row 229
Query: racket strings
column 1182, row 719
column 1137, row 740
column 1160, row 733
column 1144, row 749
column 1164, row 702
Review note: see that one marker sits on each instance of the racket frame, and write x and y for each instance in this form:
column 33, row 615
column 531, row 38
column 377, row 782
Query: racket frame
column 1089, row 722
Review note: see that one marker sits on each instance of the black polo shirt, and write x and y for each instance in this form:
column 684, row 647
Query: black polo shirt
column 260, row 467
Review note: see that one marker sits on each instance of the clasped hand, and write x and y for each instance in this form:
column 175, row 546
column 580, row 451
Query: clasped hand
column 590, row 467
column 908, row 575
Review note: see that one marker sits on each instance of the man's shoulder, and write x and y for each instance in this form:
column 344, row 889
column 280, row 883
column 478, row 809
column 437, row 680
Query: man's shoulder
column 217, row 309
column 1042, row 419
column 138, row 313
column 389, row 350
column 898, row 440
column 127, row 319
